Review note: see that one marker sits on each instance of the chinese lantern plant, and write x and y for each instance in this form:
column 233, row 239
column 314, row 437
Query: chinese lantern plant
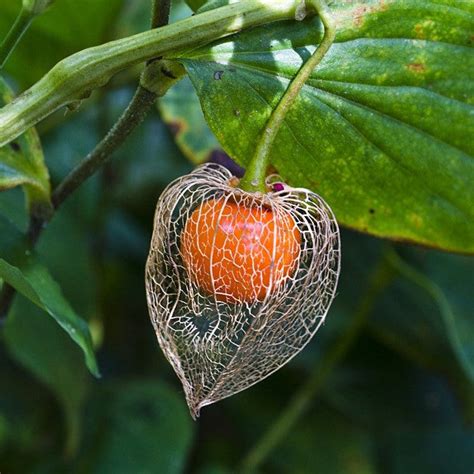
column 242, row 273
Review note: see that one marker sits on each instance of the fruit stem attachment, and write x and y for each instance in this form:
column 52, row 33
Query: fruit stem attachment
column 254, row 178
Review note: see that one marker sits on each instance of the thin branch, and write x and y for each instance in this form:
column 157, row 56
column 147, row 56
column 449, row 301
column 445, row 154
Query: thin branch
column 380, row 279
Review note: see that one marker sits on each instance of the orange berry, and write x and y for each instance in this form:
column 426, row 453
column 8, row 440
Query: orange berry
column 239, row 252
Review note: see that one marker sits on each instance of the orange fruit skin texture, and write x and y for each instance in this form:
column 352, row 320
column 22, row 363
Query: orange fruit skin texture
column 236, row 252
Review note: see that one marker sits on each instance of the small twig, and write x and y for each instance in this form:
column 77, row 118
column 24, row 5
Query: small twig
column 381, row 277
column 160, row 13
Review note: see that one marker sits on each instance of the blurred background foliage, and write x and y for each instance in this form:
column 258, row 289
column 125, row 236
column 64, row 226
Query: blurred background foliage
column 401, row 400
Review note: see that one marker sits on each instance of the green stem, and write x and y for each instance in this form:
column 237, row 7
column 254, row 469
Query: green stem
column 22, row 23
column 75, row 77
column 381, row 277
column 254, row 178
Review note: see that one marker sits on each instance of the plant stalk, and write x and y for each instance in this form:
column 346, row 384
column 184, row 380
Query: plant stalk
column 73, row 78
column 254, row 178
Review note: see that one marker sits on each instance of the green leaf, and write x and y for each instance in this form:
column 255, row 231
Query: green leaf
column 144, row 428
column 182, row 112
column 68, row 26
column 42, row 347
column 21, row 269
column 382, row 130
column 22, row 162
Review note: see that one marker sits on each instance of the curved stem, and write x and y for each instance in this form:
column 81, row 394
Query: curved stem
column 75, row 77
column 381, row 277
column 18, row 29
column 254, row 178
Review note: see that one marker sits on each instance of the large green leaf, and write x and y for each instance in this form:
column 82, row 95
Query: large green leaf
column 382, row 130
column 22, row 161
column 66, row 27
column 21, row 269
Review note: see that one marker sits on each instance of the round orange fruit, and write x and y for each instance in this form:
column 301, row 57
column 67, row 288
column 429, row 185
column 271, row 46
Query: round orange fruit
column 238, row 252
